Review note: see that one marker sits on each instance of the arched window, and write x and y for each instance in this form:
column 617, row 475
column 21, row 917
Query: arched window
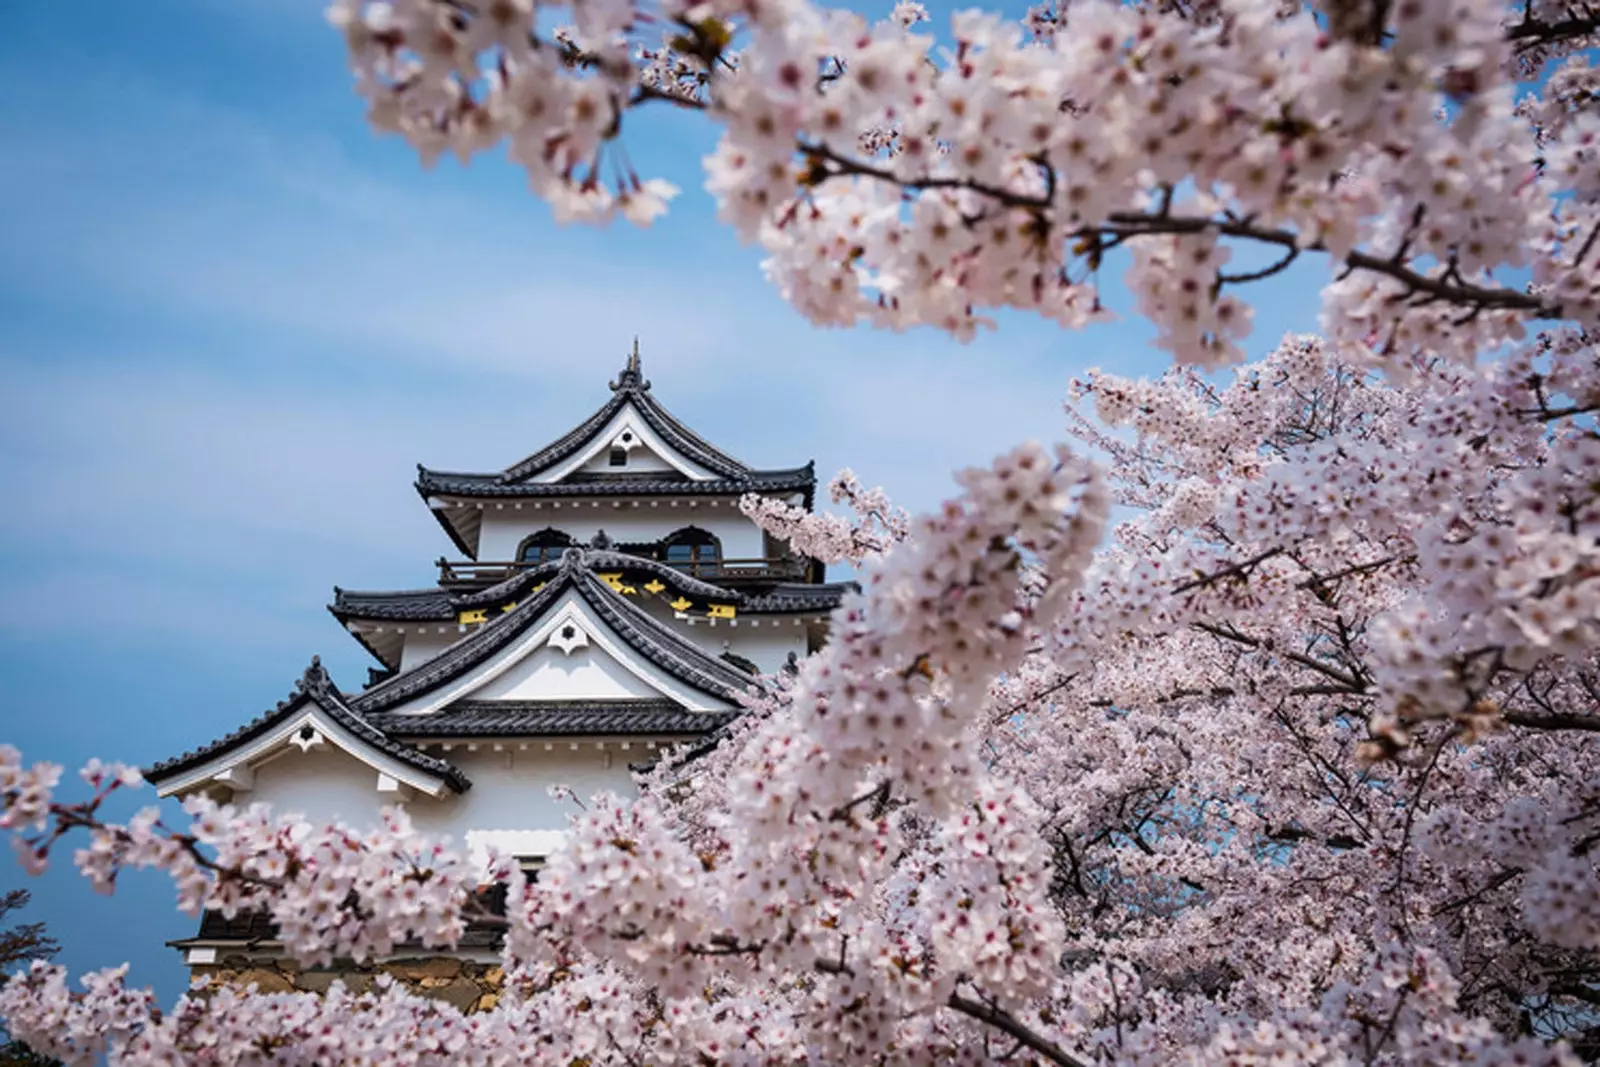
column 694, row 550
column 544, row 546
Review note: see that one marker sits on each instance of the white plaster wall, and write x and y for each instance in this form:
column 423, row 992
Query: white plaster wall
column 505, row 528
column 510, row 789
column 550, row 674
column 767, row 643
column 419, row 648
column 322, row 783
column 640, row 459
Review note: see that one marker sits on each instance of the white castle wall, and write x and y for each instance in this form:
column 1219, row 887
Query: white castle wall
column 640, row 461
column 509, row 797
column 420, row 647
column 766, row 642
column 551, row 674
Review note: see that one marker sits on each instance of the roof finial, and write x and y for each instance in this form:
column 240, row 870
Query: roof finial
column 632, row 377
column 315, row 681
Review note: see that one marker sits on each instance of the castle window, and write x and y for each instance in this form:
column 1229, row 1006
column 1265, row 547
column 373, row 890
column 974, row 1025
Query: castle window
column 544, row 547
column 694, row 550
column 619, row 457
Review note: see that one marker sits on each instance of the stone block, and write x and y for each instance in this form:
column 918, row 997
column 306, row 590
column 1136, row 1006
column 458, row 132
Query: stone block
column 438, row 967
column 265, row 981
column 459, row 993
column 319, row 981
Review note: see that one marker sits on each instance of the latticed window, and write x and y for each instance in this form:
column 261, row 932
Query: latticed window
column 544, row 546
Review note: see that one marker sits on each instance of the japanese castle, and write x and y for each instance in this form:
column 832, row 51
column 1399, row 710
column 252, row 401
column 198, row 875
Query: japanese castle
column 611, row 601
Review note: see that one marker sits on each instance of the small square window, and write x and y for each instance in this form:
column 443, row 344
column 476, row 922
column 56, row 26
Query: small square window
column 619, row 457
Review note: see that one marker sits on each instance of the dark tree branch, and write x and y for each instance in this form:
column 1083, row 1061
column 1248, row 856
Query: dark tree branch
column 1007, row 1023
column 1561, row 721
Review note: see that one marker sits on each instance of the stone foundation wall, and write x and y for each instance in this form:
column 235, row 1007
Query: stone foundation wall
column 467, row 985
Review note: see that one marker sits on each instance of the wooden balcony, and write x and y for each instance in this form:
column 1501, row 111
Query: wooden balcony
column 460, row 573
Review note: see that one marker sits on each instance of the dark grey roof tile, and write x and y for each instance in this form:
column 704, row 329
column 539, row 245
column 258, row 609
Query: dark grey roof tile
column 470, row 484
column 407, row 604
column 528, row 718
column 790, row 597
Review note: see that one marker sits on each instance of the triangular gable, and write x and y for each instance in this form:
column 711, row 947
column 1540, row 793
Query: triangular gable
column 630, row 400
column 630, row 652
column 314, row 715
column 630, row 432
column 572, row 653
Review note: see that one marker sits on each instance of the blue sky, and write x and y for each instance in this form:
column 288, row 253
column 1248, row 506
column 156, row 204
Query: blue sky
column 233, row 320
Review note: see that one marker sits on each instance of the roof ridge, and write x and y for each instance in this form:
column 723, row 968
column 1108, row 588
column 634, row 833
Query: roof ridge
column 340, row 591
column 616, row 602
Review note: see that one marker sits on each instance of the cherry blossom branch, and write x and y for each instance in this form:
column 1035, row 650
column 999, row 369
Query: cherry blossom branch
column 1242, row 569
column 1532, row 32
column 1558, row 721
column 995, row 1016
column 1097, row 239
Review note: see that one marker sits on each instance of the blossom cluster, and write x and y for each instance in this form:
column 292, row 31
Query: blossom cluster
column 830, row 538
column 899, row 178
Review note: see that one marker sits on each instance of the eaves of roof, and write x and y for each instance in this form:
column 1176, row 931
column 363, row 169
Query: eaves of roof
column 440, row 605
column 398, row 604
column 499, row 718
column 432, row 483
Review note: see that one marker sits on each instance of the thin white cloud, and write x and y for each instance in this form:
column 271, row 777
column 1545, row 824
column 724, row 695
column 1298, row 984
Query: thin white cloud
column 85, row 602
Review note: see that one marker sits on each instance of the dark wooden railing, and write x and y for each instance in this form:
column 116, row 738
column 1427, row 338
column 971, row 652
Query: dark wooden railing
column 770, row 569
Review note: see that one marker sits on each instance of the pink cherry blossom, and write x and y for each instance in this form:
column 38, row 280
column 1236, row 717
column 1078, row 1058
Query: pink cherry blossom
column 1259, row 726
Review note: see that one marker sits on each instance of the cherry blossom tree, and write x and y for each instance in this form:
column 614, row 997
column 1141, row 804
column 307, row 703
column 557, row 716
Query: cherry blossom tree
column 1297, row 761
column 21, row 943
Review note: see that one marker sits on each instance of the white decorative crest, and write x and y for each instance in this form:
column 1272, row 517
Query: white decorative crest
column 569, row 635
column 628, row 439
column 306, row 738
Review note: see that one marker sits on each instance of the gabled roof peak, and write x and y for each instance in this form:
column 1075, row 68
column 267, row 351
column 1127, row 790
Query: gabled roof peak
column 314, row 691
column 662, row 645
column 632, row 378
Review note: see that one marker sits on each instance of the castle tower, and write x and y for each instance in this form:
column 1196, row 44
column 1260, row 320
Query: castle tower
column 613, row 600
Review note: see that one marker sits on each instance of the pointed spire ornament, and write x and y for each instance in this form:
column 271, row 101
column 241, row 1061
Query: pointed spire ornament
column 632, row 376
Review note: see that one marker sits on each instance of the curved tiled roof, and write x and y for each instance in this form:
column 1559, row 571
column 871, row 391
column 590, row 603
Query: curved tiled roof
column 602, row 559
column 461, row 483
column 796, row 596
column 730, row 476
column 519, row 718
column 427, row 604
column 630, row 387
column 314, row 687
column 656, row 642
column 440, row 605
